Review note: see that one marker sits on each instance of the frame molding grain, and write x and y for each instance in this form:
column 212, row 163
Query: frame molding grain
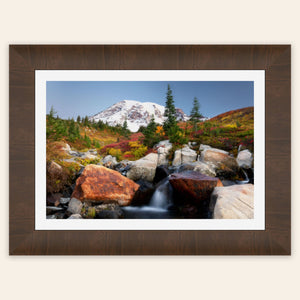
column 274, row 59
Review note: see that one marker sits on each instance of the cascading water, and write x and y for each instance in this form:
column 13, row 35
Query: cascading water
column 162, row 195
column 246, row 180
column 158, row 206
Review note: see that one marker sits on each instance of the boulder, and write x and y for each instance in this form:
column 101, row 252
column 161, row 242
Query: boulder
column 75, row 216
column 57, row 177
column 163, row 148
column 200, row 167
column 143, row 168
column 184, row 155
column 108, row 211
column 233, row 202
column 203, row 148
column 64, row 200
column 97, row 183
column 161, row 173
column 109, row 161
column 193, row 187
column 74, row 206
column 144, row 194
column 244, row 159
column 225, row 165
column 177, row 158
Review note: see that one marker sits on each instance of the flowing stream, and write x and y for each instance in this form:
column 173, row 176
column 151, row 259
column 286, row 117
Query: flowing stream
column 158, row 205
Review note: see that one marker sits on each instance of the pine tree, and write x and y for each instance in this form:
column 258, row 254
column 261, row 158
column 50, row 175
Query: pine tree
column 125, row 126
column 195, row 114
column 150, row 133
column 78, row 119
column 170, row 112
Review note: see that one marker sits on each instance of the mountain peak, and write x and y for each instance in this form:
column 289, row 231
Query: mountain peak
column 137, row 114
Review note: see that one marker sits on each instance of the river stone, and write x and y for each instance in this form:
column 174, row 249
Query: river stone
column 64, row 200
column 225, row 165
column 203, row 148
column 144, row 168
column 97, row 183
column 200, row 167
column 109, row 161
column 75, row 216
column 108, row 211
column 163, row 148
column 193, row 187
column 184, row 155
column 52, row 209
column 244, row 159
column 74, row 206
column 233, row 202
column 177, row 158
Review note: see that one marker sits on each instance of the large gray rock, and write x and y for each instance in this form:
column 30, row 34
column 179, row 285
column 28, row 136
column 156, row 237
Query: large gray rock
column 233, row 202
column 203, row 149
column 177, row 158
column 244, row 159
column 184, row 155
column 199, row 166
column 223, row 164
column 163, row 148
column 144, row 168
column 75, row 206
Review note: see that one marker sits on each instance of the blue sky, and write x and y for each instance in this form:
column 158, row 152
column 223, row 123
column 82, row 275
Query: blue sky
column 73, row 98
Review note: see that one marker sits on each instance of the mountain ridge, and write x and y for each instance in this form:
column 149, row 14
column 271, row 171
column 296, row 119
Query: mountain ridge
column 137, row 114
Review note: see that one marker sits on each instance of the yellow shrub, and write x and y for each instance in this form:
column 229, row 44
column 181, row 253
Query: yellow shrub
column 115, row 152
column 140, row 152
column 134, row 144
column 231, row 126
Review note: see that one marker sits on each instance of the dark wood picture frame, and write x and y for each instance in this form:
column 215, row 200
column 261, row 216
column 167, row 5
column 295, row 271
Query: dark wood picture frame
column 274, row 59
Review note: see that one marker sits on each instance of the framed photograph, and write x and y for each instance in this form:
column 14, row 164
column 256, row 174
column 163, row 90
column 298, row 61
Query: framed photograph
column 150, row 149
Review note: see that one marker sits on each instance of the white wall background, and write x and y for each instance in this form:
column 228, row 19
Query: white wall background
column 156, row 21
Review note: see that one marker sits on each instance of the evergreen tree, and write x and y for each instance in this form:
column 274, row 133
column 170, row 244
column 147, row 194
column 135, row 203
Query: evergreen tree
column 195, row 114
column 125, row 126
column 78, row 119
column 151, row 138
column 170, row 112
column 51, row 116
column 86, row 121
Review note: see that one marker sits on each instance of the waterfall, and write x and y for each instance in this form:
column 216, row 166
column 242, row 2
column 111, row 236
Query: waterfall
column 162, row 195
column 246, row 180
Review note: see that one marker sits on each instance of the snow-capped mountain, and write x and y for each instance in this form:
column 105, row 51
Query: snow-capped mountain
column 137, row 114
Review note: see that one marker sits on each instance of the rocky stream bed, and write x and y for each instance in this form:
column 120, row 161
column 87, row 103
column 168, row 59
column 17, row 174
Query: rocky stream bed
column 208, row 183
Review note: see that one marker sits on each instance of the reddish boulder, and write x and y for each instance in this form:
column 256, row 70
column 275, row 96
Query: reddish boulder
column 193, row 187
column 97, row 183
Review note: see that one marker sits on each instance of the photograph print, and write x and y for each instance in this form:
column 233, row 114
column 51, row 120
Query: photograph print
column 161, row 149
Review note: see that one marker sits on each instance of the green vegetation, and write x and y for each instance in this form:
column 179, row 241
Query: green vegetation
column 195, row 114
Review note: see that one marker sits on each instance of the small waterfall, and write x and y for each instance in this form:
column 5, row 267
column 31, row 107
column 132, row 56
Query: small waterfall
column 162, row 195
column 246, row 180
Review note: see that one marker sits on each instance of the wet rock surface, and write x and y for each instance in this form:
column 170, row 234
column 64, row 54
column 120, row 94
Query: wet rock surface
column 98, row 183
